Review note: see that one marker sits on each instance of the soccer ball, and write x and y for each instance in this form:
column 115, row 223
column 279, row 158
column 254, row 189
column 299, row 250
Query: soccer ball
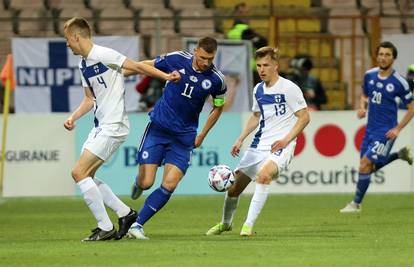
column 220, row 178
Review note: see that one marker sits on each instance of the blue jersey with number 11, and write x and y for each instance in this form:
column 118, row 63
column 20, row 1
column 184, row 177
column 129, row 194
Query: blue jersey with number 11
column 382, row 105
column 179, row 107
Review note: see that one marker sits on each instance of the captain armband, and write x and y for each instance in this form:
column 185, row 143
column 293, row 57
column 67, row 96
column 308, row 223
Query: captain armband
column 218, row 102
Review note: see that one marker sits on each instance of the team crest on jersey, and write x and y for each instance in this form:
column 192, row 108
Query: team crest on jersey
column 145, row 154
column 206, row 84
column 389, row 87
column 379, row 85
column 280, row 98
column 193, row 78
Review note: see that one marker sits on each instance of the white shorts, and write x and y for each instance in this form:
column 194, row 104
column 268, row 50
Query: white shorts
column 104, row 140
column 253, row 159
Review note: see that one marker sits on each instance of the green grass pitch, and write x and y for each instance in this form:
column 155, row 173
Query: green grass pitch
column 293, row 230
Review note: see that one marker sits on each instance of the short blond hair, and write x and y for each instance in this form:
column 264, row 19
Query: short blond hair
column 267, row 50
column 79, row 25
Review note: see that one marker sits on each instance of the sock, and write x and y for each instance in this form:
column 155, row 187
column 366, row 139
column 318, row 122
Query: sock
column 93, row 199
column 258, row 200
column 111, row 200
column 390, row 159
column 362, row 185
column 229, row 208
column 154, row 202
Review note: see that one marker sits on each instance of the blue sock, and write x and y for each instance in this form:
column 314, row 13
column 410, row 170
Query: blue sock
column 363, row 182
column 390, row 159
column 154, row 202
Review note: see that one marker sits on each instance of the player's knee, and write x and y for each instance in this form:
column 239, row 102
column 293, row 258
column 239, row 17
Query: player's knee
column 77, row 175
column 145, row 183
column 365, row 167
column 263, row 178
column 234, row 191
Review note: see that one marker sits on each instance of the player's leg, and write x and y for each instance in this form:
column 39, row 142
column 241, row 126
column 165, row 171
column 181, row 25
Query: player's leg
column 364, row 179
column 403, row 154
column 231, row 201
column 264, row 177
column 157, row 199
column 150, row 155
column 177, row 151
column 144, row 180
column 86, row 166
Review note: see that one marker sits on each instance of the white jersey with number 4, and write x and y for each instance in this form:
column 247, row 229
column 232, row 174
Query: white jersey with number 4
column 277, row 105
column 102, row 72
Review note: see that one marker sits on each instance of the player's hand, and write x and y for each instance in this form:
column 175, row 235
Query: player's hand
column 278, row 145
column 393, row 133
column 361, row 113
column 173, row 76
column 69, row 124
column 235, row 149
column 199, row 140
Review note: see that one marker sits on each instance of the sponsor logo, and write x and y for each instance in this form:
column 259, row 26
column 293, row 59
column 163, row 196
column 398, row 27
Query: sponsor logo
column 206, row 84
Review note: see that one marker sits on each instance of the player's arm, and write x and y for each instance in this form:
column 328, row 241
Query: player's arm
column 251, row 125
column 131, row 67
column 363, row 106
column 85, row 106
column 133, row 72
column 211, row 120
column 303, row 120
column 393, row 133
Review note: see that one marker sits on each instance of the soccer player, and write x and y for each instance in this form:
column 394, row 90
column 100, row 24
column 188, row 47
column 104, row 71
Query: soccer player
column 279, row 115
column 380, row 88
column 103, row 82
column 171, row 134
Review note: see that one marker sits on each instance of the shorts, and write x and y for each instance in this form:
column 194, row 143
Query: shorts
column 376, row 147
column 159, row 146
column 104, row 140
column 253, row 159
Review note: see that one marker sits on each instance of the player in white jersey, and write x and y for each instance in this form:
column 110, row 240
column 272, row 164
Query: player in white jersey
column 279, row 115
column 102, row 71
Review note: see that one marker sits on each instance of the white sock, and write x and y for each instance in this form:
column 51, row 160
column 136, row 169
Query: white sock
column 93, row 199
column 229, row 207
column 111, row 200
column 258, row 200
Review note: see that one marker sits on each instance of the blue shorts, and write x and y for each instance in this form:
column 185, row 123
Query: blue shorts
column 376, row 147
column 159, row 146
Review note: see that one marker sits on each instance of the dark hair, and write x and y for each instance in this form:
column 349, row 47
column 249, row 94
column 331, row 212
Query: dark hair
column 208, row 44
column 79, row 24
column 389, row 45
column 267, row 50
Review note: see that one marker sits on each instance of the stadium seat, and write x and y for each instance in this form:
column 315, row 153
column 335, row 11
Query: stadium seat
column 105, row 4
column 145, row 4
column 345, row 25
column 117, row 21
column 35, row 22
column 63, row 4
column 23, row 4
column 186, row 4
column 152, row 20
column 196, row 22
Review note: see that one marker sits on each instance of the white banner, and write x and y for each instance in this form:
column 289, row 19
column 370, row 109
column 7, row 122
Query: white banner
column 327, row 158
column 233, row 59
column 48, row 78
column 40, row 154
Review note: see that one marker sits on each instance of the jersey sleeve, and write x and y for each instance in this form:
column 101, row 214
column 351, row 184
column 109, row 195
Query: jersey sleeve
column 107, row 56
column 365, row 85
column 294, row 98
column 220, row 88
column 404, row 92
column 164, row 62
column 255, row 105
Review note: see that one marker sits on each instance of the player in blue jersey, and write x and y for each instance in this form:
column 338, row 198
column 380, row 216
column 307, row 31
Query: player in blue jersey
column 380, row 88
column 103, row 81
column 171, row 134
